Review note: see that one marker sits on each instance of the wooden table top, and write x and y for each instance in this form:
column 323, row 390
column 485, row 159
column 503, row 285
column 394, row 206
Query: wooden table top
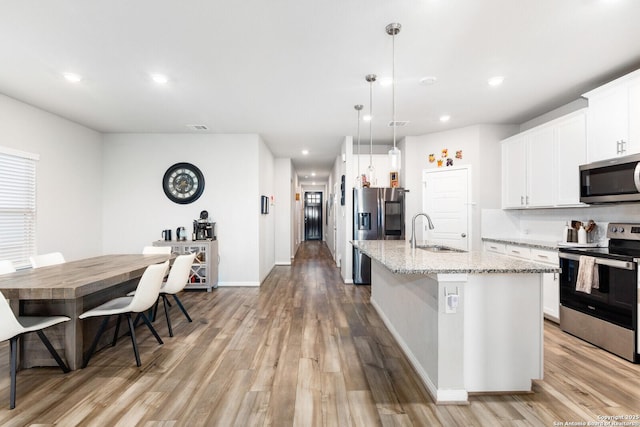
column 76, row 279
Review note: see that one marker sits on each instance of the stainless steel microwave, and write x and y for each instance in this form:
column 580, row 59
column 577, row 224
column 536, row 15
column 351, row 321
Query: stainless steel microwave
column 610, row 181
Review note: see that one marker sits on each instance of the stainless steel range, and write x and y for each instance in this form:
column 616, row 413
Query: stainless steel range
column 603, row 311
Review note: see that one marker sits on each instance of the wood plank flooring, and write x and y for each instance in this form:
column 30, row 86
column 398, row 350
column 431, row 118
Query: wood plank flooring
column 304, row 349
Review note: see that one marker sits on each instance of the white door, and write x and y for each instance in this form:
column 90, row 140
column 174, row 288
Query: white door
column 446, row 199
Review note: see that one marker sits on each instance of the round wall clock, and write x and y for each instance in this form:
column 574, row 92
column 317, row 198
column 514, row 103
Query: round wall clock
column 183, row 183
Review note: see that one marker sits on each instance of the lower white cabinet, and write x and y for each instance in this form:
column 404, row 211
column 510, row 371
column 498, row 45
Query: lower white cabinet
column 204, row 271
column 550, row 281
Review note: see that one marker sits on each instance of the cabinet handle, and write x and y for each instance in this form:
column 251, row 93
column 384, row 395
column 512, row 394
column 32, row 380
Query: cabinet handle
column 521, row 200
column 515, row 252
column 543, row 256
column 527, row 199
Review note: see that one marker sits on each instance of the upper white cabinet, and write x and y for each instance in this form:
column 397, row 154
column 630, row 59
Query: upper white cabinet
column 540, row 166
column 613, row 123
column 571, row 137
column 514, row 177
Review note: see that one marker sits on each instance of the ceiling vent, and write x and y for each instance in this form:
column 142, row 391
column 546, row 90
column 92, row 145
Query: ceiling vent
column 398, row 123
column 197, row 127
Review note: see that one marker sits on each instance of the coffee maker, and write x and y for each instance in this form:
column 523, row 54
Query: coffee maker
column 203, row 228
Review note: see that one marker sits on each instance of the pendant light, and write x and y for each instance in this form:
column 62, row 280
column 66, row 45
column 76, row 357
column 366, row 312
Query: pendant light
column 371, row 171
column 358, row 181
column 395, row 156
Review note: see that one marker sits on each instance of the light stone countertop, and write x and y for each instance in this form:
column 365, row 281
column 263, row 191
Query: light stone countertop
column 531, row 243
column 400, row 258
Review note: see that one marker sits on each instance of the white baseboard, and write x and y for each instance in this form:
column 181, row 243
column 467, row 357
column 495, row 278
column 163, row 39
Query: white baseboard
column 238, row 284
column 459, row 397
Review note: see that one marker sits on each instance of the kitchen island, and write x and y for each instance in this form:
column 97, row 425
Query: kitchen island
column 469, row 322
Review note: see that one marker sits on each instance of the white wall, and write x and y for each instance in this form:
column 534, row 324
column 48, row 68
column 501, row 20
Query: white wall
column 266, row 187
column 69, row 177
column 284, row 200
column 480, row 147
column 136, row 209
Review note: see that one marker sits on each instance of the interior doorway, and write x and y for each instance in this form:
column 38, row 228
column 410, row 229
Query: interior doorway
column 313, row 215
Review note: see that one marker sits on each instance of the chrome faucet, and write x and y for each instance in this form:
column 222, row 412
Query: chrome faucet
column 413, row 227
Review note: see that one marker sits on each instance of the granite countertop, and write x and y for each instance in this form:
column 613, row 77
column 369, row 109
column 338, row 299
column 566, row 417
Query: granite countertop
column 531, row 243
column 400, row 258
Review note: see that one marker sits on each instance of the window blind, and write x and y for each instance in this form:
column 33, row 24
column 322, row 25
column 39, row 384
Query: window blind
column 17, row 206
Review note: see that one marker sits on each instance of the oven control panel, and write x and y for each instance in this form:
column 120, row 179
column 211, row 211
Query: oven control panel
column 623, row 231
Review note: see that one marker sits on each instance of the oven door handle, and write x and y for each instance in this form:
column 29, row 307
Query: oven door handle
column 625, row 265
column 636, row 176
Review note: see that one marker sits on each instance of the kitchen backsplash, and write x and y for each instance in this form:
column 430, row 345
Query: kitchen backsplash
column 548, row 224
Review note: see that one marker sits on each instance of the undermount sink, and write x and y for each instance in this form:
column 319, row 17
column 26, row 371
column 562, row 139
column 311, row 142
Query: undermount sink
column 438, row 248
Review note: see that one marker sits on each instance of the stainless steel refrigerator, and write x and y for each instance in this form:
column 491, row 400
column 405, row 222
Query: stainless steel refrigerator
column 378, row 214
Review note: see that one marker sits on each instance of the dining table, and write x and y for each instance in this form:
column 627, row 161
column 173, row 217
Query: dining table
column 70, row 289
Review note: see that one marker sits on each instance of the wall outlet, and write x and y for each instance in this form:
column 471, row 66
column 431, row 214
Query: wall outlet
column 451, row 305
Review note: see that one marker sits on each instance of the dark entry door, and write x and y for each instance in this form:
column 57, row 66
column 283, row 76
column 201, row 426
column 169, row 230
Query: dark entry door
column 313, row 215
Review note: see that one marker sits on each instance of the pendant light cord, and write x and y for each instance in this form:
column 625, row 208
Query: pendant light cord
column 371, row 120
column 393, row 85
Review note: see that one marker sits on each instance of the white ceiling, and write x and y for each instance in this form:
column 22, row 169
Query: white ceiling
column 292, row 70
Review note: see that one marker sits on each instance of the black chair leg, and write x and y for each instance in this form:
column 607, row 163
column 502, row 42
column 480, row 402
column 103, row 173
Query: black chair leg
column 133, row 339
column 13, row 344
column 154, row 311
column 87, row 356
column 53, row 351
column 115, row 334
column 151, row 328
column 175, row 297
column 166, row 314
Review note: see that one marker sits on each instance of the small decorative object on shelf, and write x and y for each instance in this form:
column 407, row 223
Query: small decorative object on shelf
column 393, row 180
column 204, row 270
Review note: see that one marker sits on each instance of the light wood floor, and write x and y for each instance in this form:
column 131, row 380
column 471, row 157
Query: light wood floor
column 304, row 349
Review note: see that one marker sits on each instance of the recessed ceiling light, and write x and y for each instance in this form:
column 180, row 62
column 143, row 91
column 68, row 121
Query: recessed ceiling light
column 366, row 118
column 72, row 77
column 305, row 152
column 428, row 80
column 445, row 118
column 161, row 79
column 313, row 174
column 313, row 183
column 496, row 81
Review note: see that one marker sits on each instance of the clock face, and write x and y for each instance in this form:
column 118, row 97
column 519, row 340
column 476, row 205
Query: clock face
column 183, row 183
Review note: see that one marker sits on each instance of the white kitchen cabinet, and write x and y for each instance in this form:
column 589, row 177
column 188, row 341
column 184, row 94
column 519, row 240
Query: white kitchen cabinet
column 540, row 166
column 518, row 251
column 514, row 177
column 499, row 248
column 613, row 121
column 550, row 284
column 571, row 137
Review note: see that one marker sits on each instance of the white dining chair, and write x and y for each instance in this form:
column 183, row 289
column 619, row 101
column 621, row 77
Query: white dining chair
column 160, row 250
column 12, row 328
column 6, row 266
column 45, row 260
column 146, row 295
column 176, row 281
